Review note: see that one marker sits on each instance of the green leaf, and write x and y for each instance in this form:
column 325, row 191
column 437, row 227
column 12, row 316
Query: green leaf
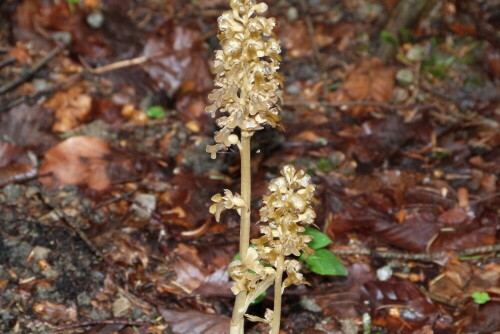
column 324, row 262
column 388, row 37
column 319, row 240
column 325, row 165
column 156, row 112
column 480, row 297
column 259, row 299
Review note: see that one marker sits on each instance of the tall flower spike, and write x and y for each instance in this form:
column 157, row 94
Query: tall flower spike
column 248, row 86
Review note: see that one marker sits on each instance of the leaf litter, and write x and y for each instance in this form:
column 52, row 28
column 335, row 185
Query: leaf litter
column 105, row 205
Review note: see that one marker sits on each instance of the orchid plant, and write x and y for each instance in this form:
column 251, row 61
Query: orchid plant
column 247, row 97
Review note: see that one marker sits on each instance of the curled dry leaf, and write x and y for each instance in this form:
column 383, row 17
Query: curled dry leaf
column 70, row 108
column 77, row 161
column 55, row 313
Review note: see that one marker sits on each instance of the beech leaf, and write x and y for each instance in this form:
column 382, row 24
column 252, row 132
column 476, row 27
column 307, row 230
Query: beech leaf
column 324, row 262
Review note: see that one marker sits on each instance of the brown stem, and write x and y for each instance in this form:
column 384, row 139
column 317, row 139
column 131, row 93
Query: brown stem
column 237, row 320
column 246, row 189
column 275, row 325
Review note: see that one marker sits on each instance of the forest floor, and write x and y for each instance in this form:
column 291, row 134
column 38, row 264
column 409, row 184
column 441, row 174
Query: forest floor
column 393, row 108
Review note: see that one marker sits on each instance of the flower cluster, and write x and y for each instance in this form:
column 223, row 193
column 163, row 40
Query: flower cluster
column 248, row 87
column 286, row 209
column 228, row 201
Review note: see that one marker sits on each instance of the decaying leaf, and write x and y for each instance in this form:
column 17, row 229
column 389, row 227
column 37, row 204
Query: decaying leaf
column 77, row 161
column 70, row 108
column 55, row 313
column 370, row 81
column 194, row 322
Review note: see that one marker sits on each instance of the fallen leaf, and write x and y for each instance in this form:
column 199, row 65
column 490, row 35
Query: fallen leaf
column 188, row 268
column 370, row 81
column 77, row 161
column 71, row 108
column 216, row 284
column 177, row 60
column 55, row 313
column 193, row 322
column 122, row 249
column 295, row 38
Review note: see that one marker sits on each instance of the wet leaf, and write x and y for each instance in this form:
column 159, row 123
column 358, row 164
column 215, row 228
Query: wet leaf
column 189, row 269
column 216, row 284
column 177, row 60
column 194, row 322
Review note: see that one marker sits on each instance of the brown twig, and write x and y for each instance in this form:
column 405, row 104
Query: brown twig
column 416, row 256
column 119, row 64
column 99, row 322
column 72, row 225
column 29, row 73
column 311, row 32
column 19, row 178
column 197, row 233
column 343, row 104
column 33, row 98
column 7, row 62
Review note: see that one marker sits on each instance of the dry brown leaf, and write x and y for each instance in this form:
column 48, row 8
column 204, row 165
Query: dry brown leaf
column 77, row 161
column 194, row 322
column 295, row 38
column 123, row 249
column 55, row 313
column 460, row 280
column 370, row 81
column 71, row 107
column 188, row 268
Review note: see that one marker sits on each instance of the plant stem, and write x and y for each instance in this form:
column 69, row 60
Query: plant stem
column 237, row 320
column 275, row 326
column 246, row 190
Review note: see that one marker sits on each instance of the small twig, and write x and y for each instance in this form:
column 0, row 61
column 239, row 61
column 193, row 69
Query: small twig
column 113, row 200
column 73, row 226
column 31, row 99
column 7, row 62
column 417, row 256
column 197, row 233
column 28, row 74
column 99, row 322
column 343, row 104
column 19, row 178
column 312, row 34
column 118, row 64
